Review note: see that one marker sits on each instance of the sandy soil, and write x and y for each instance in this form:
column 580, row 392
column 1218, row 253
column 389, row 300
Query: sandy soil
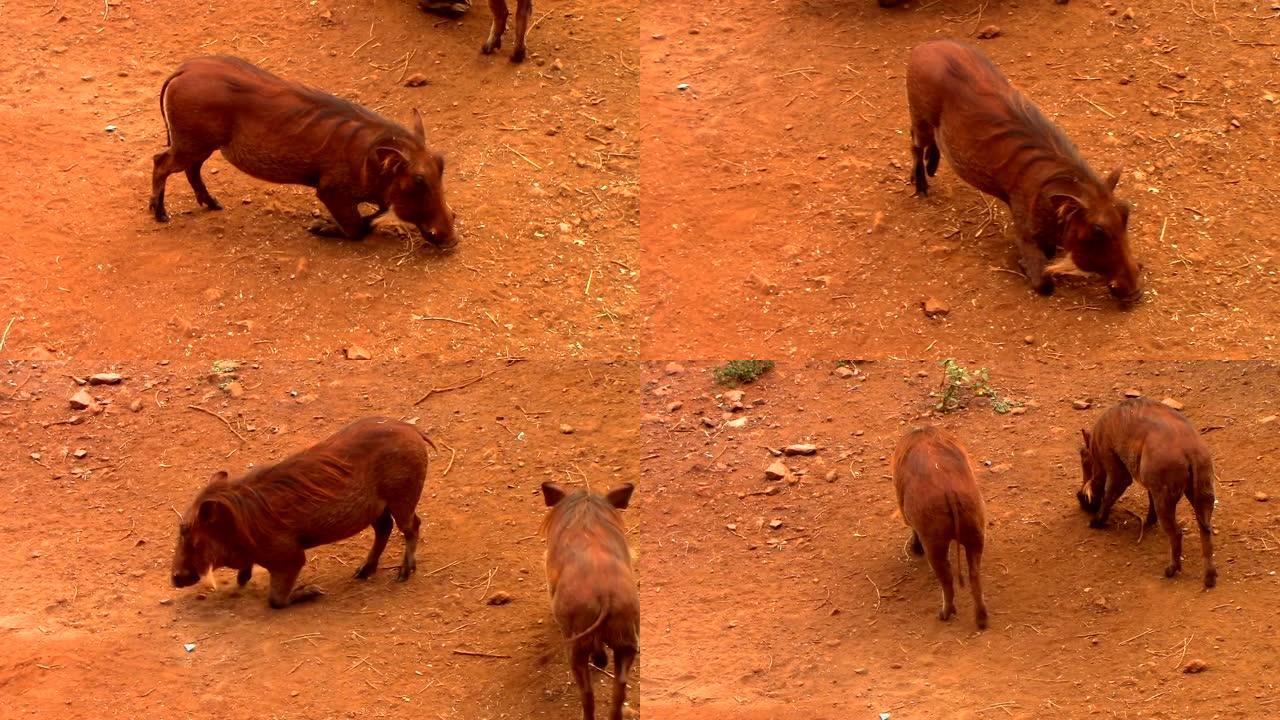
column 826, row 617
column 91, row 628
column 542, row 171
column 782, row 225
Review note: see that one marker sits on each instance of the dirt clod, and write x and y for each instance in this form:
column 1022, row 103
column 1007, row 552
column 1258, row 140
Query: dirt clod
column 499, row 597
column 934, row 307
column 1195, row 666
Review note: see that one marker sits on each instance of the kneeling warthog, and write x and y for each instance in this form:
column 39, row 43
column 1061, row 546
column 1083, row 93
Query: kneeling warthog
column 369, row 473
column 283, row 132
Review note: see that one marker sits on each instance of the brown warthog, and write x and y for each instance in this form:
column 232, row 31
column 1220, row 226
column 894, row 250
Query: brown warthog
column 593, row 587
column 524, row 12
column 1141, row 439
column 999, row 142
column 940, row 501
column 283, row 132
column 366, row 474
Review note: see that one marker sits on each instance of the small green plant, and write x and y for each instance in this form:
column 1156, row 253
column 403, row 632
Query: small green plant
column 740, row 372
column 959, row 384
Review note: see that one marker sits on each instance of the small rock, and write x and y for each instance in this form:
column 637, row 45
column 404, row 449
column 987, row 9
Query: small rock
column 1128, row 14
column 1171, row 403
column 800, row 449
column 768, row 286
column 1081, row 404
column 235, row 389
column 1261, row 496
column 776, row 471
column 1132, row 393
column 557, row 65
column 731, row 526
column 136, row 405
column 708, row 422
column 1018, row 410
column 775, row 524
column 355, row 352
column 1267, row 420
column 1030, row 339
column 651, row 418
column 81, row 453
column 934, row 307
column 675, row 406
column 734, row 397
column 988, row 32
column 844, row 371
column 499, row 597
column 106, row 379
column 415, row 80
column 674, row 368
column 860, row 671
column 189, row 647
column 832, row 475
column 1195, row 666
column 166, row 601
column 81, row 400
column 736, row 423
column 566, row 429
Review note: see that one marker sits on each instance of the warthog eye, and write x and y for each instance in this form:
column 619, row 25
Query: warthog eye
column 1099, row 234
column 420, row 180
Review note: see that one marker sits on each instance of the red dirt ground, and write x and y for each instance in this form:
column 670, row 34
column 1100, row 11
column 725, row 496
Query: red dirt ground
column 826, row 617
column 778, row 221
column 91, row 628
column 88, row 273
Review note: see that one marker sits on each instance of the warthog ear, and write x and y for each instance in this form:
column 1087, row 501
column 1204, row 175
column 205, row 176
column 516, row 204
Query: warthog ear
column 552, row 493
column 390, row 159
column 1085, row 433
column 211, row 513
column 1113, row 178
column 220, row 476
column 417, row 126
column 620, row 496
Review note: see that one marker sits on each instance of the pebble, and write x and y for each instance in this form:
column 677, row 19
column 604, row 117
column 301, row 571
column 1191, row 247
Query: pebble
column 166, row 601
column 673, row 407
column 708, row 422
column 1030, row 339
column 1172, row 403
column 832, row 475
column 934, row 307
column 1195, row 666
column 988, row 32
column 355, row 352
column 775, row 524
column 1080, row 404
column 136, row 405
column 1267, row 420
column 800, row 449
column 768, row 286
column 1261, row 496
column 845, row 372
column 235, row 389
column 81, row 453
column 1018, row 411
column 736, row 423
column 557, row 65
column 566, row 429
column 81, row 400
column 1132, row 393
column 674, row 368
column 106, row 379
column 415, row 80
column 499, row 597
column 776, row 471
column 651, row 418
